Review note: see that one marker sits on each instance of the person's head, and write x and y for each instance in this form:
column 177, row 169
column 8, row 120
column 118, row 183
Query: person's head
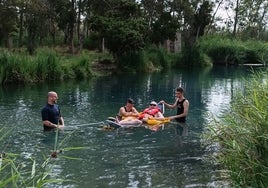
column 153, row 104
column 130, row 102
column 52, row 97
column 179, row 92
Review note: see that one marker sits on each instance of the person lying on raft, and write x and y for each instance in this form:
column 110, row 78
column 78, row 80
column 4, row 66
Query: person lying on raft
column 152, row 112
column 128, row 115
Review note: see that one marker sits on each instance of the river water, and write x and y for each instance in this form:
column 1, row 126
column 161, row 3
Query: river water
column 140, row 157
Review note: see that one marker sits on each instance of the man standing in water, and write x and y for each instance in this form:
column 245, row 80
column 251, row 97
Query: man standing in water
column 182, row 105
column 51, row 115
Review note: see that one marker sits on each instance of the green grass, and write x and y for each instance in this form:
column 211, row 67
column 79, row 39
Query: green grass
column 224, row 50
column 242, row 135
column 15, row 173
column 46, row 65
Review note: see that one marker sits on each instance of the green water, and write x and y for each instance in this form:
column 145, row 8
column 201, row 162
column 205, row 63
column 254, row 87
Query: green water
column 121, row 158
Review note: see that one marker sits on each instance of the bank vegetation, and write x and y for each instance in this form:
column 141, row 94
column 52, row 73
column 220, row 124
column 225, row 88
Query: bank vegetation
column 58, row 40
column 238, row 142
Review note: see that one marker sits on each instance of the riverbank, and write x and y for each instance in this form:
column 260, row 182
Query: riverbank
column 239, row 139
column 56, row 64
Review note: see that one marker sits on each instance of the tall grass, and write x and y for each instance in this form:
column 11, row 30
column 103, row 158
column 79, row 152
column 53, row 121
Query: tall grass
column 224, row 50
column 132, row 62
column 81, row 68
column 242, row 135
column 193, row 57
column 17, row 68
column 47, row 65
column 159, row 57
column 16, row 172
column 152, row 58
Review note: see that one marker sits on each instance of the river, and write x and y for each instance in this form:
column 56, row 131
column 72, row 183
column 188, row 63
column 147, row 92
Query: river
column 94, row 157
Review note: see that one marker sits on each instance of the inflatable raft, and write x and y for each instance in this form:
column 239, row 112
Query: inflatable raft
column 134, row 122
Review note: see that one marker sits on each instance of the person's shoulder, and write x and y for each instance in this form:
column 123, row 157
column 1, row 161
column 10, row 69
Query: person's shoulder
column 45, row 106
column 186, row 101
column 44, row 109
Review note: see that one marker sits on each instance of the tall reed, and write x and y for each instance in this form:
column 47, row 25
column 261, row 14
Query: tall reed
column 224, row 50
column 16, row 172
column 17, row 68
column 242, row 135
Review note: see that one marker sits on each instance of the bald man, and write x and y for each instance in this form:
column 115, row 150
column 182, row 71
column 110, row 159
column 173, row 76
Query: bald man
column 51, row 115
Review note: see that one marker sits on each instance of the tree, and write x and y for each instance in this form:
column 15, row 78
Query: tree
column 160, row 21
column 247, row 18
column 66, row 17
column 121, row 24
column 8, row 22
column 36, row 22
column 194, row 16
column 164, row 28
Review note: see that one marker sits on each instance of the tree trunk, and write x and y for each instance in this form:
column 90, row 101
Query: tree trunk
column 71, row 28
column 9, row 42
column 236, row 18
column 20, row 28
column 102, row 45
column 78, row 20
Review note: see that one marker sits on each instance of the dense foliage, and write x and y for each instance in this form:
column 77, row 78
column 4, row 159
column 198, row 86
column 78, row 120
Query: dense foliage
column 242, row 135
column 126, row 26
column 227, row 51
column 127, row 22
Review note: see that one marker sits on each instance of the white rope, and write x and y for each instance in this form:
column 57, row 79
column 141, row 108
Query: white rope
column 97, row 123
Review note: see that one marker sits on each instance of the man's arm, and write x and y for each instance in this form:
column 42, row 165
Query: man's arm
column 61, row 121
column 49, row 124
column 169, row 105
column 185, row 111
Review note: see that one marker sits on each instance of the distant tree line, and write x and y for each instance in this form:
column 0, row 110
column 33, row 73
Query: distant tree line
column 124, row 26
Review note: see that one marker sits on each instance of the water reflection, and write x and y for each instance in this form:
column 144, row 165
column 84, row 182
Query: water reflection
column 169, row 155
column 181, row 132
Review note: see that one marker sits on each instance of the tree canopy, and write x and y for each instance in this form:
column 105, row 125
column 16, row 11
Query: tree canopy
column 127, row 25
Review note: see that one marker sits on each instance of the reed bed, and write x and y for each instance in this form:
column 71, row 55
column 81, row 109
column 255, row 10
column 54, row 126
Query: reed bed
column 226, row 50
column 15, row 170
column 241, row 136
column 18, row 68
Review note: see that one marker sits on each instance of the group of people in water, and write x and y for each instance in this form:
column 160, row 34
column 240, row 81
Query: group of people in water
column 128, row 114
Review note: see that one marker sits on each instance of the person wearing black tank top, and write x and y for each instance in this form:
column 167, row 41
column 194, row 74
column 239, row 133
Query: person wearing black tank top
column 182, row 105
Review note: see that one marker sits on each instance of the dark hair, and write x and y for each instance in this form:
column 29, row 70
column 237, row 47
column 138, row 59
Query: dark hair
column 130, row 100
column 179, row 89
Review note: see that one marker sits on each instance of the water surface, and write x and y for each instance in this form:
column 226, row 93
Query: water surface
column 170, row 157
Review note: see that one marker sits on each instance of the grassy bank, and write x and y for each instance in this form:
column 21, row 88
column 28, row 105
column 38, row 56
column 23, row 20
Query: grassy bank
column 55, row 65
column 50, row 64
column 241, row 137
column 47, row 65
column 225, row 50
